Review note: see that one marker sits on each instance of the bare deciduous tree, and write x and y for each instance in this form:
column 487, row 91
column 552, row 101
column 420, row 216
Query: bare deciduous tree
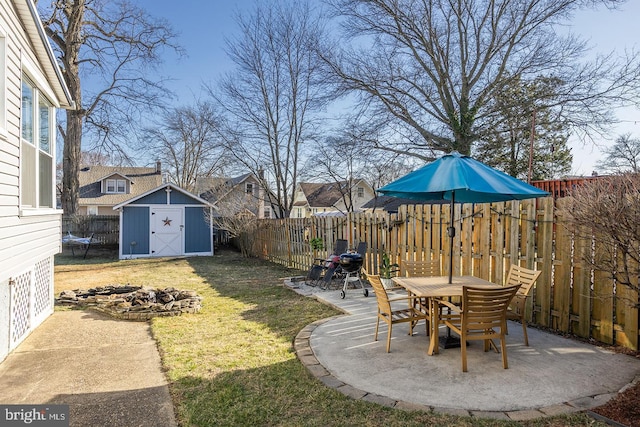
column 115, row 46
column 348, row 156
column 187, row 140
column 432, row 67
column 274, row 92
column 340, row 161
column 606, row 212
column 234, row 215
column 622, row 157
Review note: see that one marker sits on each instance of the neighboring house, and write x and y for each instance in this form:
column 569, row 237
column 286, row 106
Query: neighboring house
column 31, row 88
column 103, row 187
column 317, row 198
column 240, row 195
column 165, row 221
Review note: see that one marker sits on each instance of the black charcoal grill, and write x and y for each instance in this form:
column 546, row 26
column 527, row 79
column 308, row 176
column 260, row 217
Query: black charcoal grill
column 351, row 263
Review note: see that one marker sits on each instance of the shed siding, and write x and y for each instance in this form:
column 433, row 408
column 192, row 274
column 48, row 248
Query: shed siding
column 156, row 198
column 178, row 198
column 197, row 231
column 135, row 228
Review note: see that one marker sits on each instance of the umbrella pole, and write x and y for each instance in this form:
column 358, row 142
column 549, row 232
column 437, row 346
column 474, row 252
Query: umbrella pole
column 452, row 233
column 449, row 341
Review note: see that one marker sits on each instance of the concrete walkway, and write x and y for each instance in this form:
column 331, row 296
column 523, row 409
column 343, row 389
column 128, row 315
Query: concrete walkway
column 553, row 375
column 108, row 371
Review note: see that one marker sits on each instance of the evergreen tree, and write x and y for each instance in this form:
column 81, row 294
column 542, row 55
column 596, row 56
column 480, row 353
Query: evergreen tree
column 520, row 107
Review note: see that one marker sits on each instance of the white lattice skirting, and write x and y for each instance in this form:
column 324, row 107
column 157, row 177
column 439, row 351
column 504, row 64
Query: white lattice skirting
column 31, row 300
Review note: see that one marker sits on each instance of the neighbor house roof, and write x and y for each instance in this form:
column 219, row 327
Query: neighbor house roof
column 212, row 188
column 142, row 179
column 323, row 195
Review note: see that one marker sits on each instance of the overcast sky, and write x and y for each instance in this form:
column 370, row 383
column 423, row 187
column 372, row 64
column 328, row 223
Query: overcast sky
column 204, row 24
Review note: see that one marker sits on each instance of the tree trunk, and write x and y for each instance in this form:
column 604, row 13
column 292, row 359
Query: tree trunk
column 71, row 162
column 70, row 46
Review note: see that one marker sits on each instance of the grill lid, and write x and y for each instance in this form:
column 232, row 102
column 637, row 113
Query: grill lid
column 351, row 261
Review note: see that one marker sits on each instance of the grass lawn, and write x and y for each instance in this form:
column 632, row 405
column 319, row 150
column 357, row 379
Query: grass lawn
column 233, row 363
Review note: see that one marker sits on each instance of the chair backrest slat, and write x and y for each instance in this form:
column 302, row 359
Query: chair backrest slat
column 340, row 247
column 362, row 248
column 485, row 308
column 421, row 268
column 384, row 306
column 523, row 276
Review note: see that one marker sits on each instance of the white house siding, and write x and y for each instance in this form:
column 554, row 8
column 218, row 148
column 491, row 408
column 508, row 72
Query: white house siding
column 28, row 238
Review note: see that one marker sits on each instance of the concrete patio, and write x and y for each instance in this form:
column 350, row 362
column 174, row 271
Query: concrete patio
column 553, row 375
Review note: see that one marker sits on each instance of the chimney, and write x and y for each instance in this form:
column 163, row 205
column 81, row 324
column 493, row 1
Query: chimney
column 158, row 166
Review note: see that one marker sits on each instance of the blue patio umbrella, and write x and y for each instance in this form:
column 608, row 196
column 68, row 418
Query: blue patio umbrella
column 460, row 179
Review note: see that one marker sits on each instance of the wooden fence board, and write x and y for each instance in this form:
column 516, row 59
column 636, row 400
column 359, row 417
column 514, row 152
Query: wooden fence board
column 445, row 240
column 457, row 238
column 513, row 222
column 627, row 312
column 498, row 242
column 603, row 310
column 562, row 277
column 544, row 244
column 581, row 297
column 466, row 233
column 529, row 230
column 485, row 241
column 437, row 234
column 420, row 234
column 477, row 237
column 408, row 237
column 393, row 243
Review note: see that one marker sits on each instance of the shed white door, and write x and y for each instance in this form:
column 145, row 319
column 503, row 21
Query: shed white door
column 166, row 231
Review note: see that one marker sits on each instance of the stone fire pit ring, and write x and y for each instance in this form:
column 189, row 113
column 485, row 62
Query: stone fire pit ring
column 134, row 302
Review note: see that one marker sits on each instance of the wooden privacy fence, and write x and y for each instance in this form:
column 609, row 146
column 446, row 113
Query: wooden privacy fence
column 568, row 296
column 104, row 228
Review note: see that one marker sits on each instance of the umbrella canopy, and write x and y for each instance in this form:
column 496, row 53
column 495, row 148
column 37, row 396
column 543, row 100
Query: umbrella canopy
column 460, row 179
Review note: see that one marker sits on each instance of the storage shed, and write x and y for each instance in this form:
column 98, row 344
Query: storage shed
column 165, row 221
